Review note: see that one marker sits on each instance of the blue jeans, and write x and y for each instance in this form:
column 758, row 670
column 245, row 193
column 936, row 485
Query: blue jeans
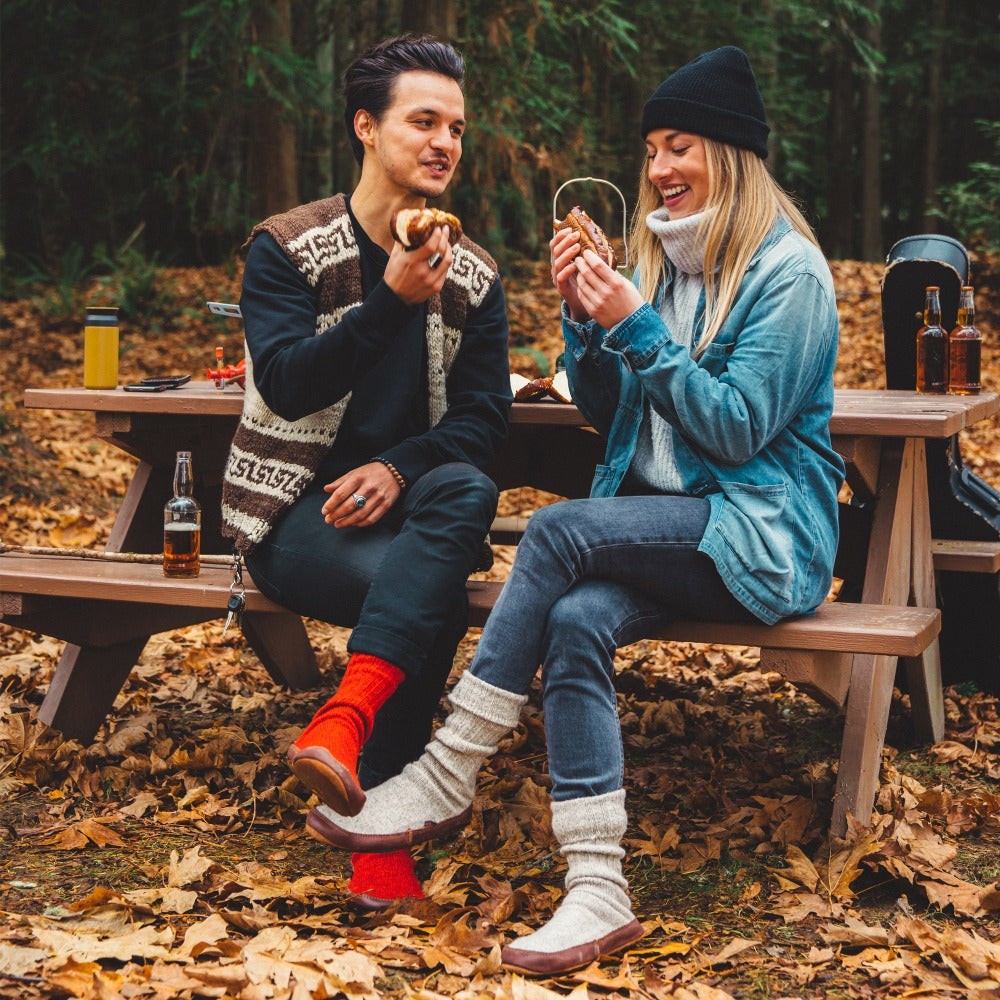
column 590, row 576
column 399, row 583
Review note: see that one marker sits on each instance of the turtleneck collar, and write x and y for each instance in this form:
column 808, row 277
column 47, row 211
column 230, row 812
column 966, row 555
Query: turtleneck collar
column 680, row 239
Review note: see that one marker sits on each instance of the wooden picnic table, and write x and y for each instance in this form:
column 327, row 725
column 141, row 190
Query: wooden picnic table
column 880, row 434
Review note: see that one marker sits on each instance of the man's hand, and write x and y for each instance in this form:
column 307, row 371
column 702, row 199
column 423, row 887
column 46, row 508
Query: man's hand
column 415, row 275
column 374, row 482
column 603, row 292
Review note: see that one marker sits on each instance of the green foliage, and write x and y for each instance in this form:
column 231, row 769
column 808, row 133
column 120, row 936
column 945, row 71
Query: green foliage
column 126, row 279
column 59, row 291
column 147, row 114
column 972, row 206
column 135, row 284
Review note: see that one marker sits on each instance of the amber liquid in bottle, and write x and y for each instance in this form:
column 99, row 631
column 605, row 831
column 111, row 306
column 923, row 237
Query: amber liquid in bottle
column 182, row 524
column 965, row 348
column 932, row 346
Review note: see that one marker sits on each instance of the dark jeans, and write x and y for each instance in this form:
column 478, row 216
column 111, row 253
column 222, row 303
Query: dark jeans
column 399, row 583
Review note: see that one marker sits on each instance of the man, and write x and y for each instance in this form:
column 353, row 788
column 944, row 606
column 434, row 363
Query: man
column 377, row 389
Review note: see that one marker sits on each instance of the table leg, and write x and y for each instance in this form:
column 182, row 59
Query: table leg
column 887, row 576
column 86, row 682
column 923, row 673
column 138, row 526
column 282, row 645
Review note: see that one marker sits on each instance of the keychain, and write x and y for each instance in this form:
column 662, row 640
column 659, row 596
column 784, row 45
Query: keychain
column 237, row 597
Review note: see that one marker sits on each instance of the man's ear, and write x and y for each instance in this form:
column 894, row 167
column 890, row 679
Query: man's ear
column 364, row 126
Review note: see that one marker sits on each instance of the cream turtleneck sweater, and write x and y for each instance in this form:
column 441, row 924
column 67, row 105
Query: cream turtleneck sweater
column 654, row 464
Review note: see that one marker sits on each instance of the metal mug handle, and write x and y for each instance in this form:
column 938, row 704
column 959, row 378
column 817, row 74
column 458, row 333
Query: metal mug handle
column 597, row 180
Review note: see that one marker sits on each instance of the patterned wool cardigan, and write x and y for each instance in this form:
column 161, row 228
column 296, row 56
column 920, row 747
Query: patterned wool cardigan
column 272, row 460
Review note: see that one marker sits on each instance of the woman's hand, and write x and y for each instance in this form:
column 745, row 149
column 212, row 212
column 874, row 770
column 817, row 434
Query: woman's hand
column 602, row 292
column 565, row 248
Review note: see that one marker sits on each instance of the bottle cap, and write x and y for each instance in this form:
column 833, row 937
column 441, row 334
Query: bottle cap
column 102, row 315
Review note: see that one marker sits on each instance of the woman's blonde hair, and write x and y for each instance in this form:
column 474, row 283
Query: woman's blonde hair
column 743, row 202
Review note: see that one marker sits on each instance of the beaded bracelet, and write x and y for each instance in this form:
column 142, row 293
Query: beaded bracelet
column 396, row 474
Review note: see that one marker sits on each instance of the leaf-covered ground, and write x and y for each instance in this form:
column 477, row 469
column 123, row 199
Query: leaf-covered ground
column 168, row 860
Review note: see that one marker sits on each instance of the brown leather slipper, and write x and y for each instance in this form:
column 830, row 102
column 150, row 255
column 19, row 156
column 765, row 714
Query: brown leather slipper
column 320, row 771
column 325, row 830
column 370, row 904
column 550, row 963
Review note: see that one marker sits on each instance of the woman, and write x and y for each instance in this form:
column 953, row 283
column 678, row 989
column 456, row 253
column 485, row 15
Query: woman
column 712, row 379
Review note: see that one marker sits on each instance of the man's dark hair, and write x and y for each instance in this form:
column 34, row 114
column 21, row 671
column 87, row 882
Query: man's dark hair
column 369, row 80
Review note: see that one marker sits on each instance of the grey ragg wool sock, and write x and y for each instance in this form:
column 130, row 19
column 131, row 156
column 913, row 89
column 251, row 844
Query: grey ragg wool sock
column 596, row 905
column 442, row 783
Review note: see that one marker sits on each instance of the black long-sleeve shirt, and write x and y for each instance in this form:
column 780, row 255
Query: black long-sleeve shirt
column 378, row 353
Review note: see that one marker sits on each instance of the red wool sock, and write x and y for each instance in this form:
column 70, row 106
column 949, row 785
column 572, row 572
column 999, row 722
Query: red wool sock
column 345, row 722
column 387, row 876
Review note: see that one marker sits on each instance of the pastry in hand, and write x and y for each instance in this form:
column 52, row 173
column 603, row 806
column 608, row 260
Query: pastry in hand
column 413, row 226
column 591, row 235
column 556, row 386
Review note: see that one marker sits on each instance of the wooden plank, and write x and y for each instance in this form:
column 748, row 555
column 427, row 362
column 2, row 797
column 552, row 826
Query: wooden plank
column 123, row 581
column 199, row 398
column 85, row 685
column 872, row 412
column 110, row 424
column 508, row 530
column 861, row 454
column 958, row 556
column 550, row 412
column 865, row 723
column 887, row 576
column 837, row 627
column 923, row 671
column 131, row 531
column 823, row 674
column 282, row 646
column 901, row 413
column 92, row 622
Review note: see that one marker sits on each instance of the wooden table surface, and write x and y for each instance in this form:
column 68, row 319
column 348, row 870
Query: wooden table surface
column 880, row 412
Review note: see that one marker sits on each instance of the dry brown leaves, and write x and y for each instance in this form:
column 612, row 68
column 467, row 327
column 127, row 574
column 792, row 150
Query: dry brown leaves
column 167, row 860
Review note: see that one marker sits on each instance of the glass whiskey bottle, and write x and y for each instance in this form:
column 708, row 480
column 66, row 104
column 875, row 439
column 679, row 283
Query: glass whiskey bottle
column 932, row 346
column 965, row 345
column 182, row 523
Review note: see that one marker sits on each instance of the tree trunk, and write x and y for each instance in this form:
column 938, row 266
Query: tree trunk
column 871, row 151
column 433, row 17
column 328, row 126
column 272, row 132
column 841, row 176
column 933, row 133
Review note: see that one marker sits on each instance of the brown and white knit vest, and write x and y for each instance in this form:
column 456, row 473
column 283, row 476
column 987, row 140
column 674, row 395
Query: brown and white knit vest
column 272, row 460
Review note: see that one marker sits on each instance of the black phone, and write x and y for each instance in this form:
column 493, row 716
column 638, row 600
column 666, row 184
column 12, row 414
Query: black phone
column 169, row 381
column 157, row 383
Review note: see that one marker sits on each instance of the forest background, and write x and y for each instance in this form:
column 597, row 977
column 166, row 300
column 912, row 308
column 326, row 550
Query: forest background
column 140, row 142
column 163, row 132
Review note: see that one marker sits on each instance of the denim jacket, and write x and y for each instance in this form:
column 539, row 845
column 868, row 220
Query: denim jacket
column 749, row 417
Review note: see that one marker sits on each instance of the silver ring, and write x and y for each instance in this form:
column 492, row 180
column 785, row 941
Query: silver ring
column 433, row 260
column 359, row 500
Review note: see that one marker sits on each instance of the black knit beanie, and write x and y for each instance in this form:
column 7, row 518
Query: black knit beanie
column 714, row 96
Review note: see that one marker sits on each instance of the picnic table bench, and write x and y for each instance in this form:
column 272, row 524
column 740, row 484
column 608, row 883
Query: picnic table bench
column 845, row 654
